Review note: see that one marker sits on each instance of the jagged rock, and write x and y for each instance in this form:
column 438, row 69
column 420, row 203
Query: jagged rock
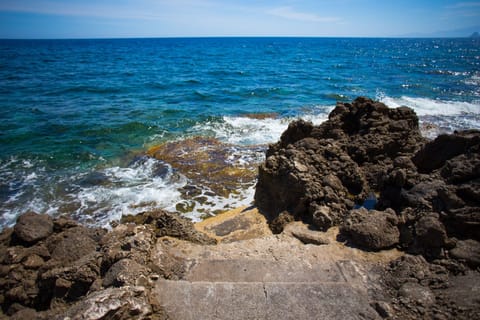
column 72, row 244
column 372, row 230
column 32, row 227
column 170, row 224
column 112, row 303
column 445, row 147
column 468, row 251
column 338, row 163
column 126, row 272
column 430, row 232
column 417, row 293
column 280, row 222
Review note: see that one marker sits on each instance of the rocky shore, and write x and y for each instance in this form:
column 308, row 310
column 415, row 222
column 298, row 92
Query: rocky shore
column 367, row 218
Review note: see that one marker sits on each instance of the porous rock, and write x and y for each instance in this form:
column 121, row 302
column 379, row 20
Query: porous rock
column 32, row 227
column 372, row 230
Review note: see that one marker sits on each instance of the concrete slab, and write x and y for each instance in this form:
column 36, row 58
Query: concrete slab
column 184, row 300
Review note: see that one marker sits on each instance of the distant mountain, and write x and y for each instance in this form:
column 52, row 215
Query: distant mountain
column 475, row 35
column 457, row 33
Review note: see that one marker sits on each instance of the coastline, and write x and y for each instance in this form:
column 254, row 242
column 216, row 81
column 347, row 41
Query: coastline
column 310, row 248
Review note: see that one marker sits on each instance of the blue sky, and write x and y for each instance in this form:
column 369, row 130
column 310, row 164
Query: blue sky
column 171, row 18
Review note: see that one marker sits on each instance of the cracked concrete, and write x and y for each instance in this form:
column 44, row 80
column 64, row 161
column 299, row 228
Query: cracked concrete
column 269, row 277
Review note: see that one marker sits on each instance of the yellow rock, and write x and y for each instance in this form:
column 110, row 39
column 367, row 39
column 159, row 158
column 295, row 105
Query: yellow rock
column 235, row 225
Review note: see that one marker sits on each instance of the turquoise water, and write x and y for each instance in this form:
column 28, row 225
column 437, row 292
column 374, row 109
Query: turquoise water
column 76, row 114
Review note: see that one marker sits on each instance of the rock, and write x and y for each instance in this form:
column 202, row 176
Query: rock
column 417, row 293
column 463, row 222
column 318, row 173
column 280, row 222
column 170, row 224
column 32, row 227
column 430, row 232
column 307, row 236
column 468, row 251
column 112, row 303
column 25, row 313
column 383, row 309
column 445, row 147
column 33, row 262
column 372, row 230
column 125, row 272
column 72, row 244
column 322, row 217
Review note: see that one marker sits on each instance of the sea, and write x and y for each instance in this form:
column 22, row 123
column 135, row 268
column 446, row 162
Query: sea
column 97, row 129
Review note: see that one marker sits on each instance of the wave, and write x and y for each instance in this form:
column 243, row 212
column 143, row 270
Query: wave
column 426, row 106
column 252, row 130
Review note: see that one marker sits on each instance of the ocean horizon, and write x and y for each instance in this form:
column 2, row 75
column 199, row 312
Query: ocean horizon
column 99, row 128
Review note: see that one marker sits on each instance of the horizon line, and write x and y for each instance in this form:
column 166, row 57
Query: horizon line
column 242, row 36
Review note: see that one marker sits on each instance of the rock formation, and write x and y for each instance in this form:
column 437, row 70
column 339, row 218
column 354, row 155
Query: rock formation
column 58, row 267
column 367, row 156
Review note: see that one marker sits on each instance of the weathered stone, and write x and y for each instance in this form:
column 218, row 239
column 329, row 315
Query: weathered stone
column 32, row 227
column 430, row 232
column 468, row 251
column 305, row 235
column 417, row 293
column 124, row 272
column 372, row 230
column 71, row 245
column 170, row 224
column 112, row 303
column 435, row 153
column 33, row 261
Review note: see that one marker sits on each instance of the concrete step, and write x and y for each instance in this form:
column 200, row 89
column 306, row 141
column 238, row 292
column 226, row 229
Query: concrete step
column 182, row 300
column 246, row 270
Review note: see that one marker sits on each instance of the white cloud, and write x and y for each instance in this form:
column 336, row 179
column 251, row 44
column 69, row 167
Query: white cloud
column 461, row 5
column 290, row 14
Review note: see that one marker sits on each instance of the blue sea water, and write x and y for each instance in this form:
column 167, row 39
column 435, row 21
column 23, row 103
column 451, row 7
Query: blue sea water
column 76, row 114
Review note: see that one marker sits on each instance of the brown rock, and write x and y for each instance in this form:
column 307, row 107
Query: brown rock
column 430, row 232
column 445, row 147
column 72, row 244
column 32, row 227
column 124, row 272
column 468, row 251
column 372, row 230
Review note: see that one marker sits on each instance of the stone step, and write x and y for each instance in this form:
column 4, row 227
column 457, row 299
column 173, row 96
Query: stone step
column 244, row 270
column 182, row 300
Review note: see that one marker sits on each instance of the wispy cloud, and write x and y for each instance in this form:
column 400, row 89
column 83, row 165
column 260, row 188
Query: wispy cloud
column 462, row 5
column 128, row 9
column 291, row 14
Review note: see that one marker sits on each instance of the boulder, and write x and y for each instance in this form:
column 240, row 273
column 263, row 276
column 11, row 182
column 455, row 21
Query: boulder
column 112, row 303
column 126, row 272
column 430, row 232
column 445, row 147
column 319, row 173
column 468, row 251
column 372, row 230
column 170, row 224
column 72, row 244
column 32, row 227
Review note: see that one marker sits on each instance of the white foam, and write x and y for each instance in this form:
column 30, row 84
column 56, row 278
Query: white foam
column 425, row 106
column 129, row 190
column 241, row 130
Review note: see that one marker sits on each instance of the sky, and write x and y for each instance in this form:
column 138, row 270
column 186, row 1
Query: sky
column 198, row 18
